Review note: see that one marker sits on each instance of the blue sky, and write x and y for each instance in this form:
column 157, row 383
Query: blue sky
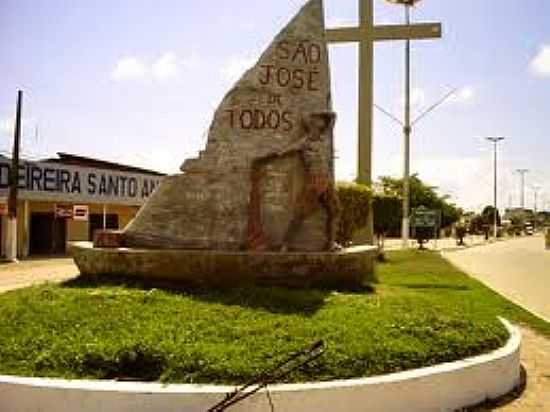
column 137, row 81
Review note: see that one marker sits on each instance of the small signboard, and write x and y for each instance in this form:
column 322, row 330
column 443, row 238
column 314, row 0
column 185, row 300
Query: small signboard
column 81, row 212
column 425, row 223
column 424, row 217
column 63, row 211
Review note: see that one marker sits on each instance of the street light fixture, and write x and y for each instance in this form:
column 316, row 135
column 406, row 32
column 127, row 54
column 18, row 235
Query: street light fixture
column 407, row 127
column 404, row 2
column 495, row 141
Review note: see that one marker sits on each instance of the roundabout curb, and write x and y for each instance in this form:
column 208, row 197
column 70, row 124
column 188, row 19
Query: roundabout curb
column 444, row 387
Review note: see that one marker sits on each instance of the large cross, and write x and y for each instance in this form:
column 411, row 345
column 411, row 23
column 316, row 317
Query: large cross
column 366, row 35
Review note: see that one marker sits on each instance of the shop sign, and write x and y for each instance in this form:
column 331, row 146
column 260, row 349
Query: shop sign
column 51, row 181
column 63, row 211
column 81, row 212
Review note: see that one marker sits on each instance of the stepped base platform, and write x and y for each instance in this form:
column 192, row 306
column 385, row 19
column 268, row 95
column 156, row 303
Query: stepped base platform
column 350, row 268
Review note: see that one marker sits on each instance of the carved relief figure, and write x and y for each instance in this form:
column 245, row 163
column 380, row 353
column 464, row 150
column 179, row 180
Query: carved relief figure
column 318, row 190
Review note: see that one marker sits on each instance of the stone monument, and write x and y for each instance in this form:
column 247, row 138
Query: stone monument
column 258, row 204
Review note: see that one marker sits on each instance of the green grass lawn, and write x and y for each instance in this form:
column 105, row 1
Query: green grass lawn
column 422, row 312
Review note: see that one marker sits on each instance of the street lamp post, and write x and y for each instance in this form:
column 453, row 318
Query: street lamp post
column 495, row 141
column 536, row 189
column 522, row 173
column 407, row 126
column 367, row 34
column 407, row 137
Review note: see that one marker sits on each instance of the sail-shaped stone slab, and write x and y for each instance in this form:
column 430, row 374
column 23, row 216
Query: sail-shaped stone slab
column 222, row 221
column 208, row 206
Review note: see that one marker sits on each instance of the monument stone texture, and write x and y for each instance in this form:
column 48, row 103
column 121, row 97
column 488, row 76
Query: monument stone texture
column 258, row 204
column 208, row 206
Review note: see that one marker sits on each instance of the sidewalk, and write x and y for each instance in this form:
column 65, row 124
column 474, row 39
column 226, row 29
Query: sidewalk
column 440, row 244
column 35, row 271
column 535, row 359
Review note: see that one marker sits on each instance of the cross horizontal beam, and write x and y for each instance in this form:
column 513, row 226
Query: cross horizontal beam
column 386, row 32
column 344, row 35
column 407, row 32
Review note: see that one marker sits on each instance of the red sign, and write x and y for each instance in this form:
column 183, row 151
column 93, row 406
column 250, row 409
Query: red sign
column 3, row 209
column 63, row 211
column 80, row 212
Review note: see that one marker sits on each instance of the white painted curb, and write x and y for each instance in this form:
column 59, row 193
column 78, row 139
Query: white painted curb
column 443, row 387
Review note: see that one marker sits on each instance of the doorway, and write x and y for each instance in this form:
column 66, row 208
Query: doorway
column 48, row 235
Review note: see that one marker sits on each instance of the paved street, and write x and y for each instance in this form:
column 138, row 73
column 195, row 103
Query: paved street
column 518, row 269
column 33, row 271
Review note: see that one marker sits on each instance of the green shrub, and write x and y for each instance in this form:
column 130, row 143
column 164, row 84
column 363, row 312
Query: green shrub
column 354, row 201
column 387, row 210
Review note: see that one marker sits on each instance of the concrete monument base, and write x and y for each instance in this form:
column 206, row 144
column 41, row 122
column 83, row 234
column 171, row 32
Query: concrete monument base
column 346, row 269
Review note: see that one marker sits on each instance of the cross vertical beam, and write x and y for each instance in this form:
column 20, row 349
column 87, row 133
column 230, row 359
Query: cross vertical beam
column 366, row 100
column 366, row 80
column 366, row 35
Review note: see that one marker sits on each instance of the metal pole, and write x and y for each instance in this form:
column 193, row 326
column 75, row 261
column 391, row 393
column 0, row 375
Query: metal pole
column 523, row 190
column 366, row 84
column 536, row 189
column 495, row 141
column 407, row 137
column 522, row 173
column 104, row 216
column 11, row 250
column 495, row 222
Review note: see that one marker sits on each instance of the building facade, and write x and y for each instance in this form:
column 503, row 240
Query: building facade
column 67, row 198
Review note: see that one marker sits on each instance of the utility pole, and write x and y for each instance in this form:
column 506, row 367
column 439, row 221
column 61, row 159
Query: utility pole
column 11, row 246
column 536, row 189
column 522, row 172
column 405, row 227
column 495, row 141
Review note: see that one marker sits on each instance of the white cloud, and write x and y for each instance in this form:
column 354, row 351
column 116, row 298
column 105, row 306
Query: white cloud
column 6, row 126
column 165, row 67
column 463, row 95
column 236, row 67
column 418, row 98
column 469, row 184
column 540, row 65
column 129, row 68
column 192, row 62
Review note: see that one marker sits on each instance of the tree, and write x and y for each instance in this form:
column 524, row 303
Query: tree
column 387, row 215
column 488, row 216
column 421, row 195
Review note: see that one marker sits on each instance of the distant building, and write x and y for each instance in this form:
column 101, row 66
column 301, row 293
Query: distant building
column 66, row 198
